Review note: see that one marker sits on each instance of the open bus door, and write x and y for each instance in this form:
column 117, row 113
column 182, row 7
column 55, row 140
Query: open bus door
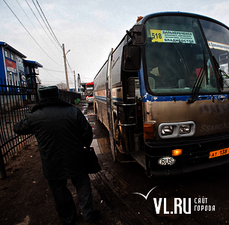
column 110, row 103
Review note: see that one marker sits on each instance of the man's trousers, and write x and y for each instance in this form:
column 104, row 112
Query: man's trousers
column 64, row 203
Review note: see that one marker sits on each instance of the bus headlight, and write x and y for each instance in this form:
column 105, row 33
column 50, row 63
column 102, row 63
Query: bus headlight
column 175, row 130
column 185, row 128
column 167, row 130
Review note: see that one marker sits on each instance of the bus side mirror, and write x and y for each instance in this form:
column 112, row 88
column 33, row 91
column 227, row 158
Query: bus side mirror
column 131, row 58
column 138, row 35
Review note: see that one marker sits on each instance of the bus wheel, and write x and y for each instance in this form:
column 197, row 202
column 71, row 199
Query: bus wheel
column 118, row 138
column 96, row 112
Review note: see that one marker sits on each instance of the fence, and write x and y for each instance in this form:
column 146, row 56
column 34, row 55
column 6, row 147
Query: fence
column 16, row 101
column 71, row 97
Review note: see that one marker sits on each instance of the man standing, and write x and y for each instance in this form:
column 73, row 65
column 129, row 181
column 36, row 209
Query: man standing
column 62, row 132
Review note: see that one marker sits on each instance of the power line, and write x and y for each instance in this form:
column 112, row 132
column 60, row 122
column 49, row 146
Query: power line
column 47, row 70
column 33, row 24
column 69, row 65
column 46, row 23
column 49, row 24
column 43, row 21
column 57, row 79
column 50, row 29
column 53, row 70
column 41, row 24
column 28, row 31
column 57, row 71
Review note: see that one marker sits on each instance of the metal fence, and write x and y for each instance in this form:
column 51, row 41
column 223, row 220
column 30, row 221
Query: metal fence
column 16, row 101
column 70, row 97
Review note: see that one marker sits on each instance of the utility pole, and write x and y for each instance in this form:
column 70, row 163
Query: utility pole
column 65, row 65
column 79, row 82
column 75, row 80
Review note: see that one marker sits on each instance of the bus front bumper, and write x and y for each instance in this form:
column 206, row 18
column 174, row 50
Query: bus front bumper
column 199, row 154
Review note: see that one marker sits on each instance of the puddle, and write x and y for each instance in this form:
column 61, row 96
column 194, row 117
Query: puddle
column 104, row 145
column 101, row 145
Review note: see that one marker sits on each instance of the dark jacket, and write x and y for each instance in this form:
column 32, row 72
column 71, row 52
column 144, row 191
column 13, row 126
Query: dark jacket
column 61, row 131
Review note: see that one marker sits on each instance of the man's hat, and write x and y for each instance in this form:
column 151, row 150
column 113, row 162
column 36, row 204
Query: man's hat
column 48, row 92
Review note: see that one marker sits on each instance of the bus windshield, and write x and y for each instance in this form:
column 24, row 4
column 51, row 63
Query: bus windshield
column 89, row 89
column 218, row 41
column 177, row 55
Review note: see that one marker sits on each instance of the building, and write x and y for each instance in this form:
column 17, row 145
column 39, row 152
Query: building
column 14, row 68
column 31, row 72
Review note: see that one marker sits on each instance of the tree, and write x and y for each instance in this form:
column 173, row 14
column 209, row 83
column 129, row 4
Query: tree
column 62, row 86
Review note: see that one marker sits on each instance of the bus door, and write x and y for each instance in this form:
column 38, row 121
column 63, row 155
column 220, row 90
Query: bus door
column 110, row 102
column 134, row 121
column 131, row 108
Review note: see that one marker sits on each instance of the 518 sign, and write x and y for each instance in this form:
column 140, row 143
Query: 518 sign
column 156, row 35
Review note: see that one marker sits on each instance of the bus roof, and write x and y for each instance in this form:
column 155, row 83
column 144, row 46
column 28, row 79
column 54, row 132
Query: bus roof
column 177, row 13
column 90, row 83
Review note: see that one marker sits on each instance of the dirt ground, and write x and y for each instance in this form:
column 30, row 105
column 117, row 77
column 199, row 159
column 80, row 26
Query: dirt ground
column 25, row 197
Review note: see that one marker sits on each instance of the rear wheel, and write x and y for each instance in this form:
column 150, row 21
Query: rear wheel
column 119, row 138
column 96, row 112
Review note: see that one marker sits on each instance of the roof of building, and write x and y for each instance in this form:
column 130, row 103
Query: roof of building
column 7, row 46
column 30, row 62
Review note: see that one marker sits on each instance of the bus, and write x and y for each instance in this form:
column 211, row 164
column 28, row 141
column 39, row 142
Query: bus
column 163, row 94
column 89, row 92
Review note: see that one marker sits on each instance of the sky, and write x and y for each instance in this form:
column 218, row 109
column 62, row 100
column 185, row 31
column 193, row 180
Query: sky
column 89, row 29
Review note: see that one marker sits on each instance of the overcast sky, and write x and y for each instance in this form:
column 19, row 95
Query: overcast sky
column 89, row 28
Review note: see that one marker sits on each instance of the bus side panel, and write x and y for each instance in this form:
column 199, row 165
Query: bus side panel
column 100, row 100
column 102, row 113
column 117, row 89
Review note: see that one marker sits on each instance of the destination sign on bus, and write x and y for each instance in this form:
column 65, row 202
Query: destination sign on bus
column 218, row 46
column 171, row 36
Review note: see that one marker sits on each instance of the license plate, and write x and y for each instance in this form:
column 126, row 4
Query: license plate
column 221, row 152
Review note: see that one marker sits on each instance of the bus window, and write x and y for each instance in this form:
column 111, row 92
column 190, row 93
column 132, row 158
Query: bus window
column 175, row 54
column 218, row 41
column 89, row 92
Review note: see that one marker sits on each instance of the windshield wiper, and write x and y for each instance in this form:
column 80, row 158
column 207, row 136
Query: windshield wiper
column 198, row 82
column 219, row 72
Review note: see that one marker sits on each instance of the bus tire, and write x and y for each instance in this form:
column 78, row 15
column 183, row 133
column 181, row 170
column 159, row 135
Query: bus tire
column 118, row 138
column 96, row 112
